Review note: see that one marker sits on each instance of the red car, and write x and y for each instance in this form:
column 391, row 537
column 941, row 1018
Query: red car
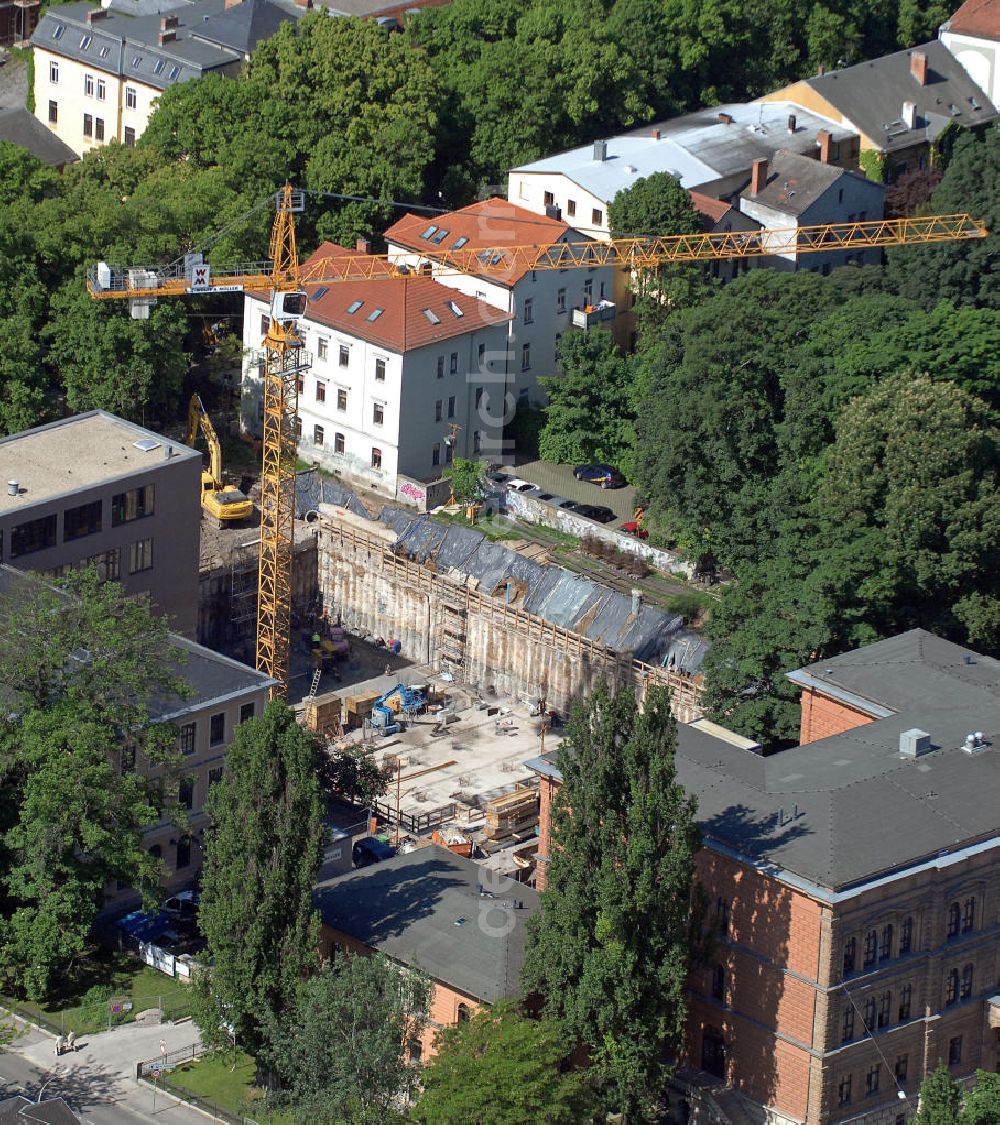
column 633, row 528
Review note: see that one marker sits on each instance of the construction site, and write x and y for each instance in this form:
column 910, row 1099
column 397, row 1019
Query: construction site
column 495, row 642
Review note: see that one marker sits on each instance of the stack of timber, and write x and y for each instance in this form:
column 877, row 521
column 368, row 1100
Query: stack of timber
column 513, row 814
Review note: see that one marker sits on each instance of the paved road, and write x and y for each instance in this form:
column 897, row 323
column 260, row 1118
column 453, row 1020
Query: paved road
column 559, row 479
column 13, row 83
column 98, row 1081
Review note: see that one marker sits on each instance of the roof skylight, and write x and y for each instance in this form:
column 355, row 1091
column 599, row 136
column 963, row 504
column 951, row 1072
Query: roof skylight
column 375, row 314
column 429, row 231
column 432, row 316
column 353, row 307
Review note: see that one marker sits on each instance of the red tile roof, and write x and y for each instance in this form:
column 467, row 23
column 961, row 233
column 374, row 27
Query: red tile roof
column 980, row 18
column 493, row 223
column 708, row 207
column 416, row 310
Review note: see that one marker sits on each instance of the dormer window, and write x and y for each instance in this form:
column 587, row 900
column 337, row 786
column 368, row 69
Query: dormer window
column 85, row 42
column 158, row 66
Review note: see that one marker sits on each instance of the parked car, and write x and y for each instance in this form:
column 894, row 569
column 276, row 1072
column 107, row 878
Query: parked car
column 571, row 504
column 595, row 512
column 519, row 485
column 634, row 528
column 607, row 476
column 370, row 850
column 183, row 905
column 498, row 478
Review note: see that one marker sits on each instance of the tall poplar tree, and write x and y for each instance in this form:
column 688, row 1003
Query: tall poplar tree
column 610, row 949
column 261, row 860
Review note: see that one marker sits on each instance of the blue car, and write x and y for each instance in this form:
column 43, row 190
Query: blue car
column 607, row 476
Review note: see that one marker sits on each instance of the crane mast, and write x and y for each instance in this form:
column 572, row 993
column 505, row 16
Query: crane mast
column 284, row 360
column 285, row 357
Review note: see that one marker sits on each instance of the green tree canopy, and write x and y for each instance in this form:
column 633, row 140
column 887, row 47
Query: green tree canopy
column 501, row 1068
column 83, row 669
column 589, row 416
column 940, row 1098
column 262, row 854
column 655, row 204
column 962, row 272
column 338, row 1051
column 468, row 479
column 610, row 949
column 982, row 1103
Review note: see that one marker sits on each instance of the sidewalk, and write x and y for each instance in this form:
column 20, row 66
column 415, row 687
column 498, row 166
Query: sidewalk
column 98, row 1079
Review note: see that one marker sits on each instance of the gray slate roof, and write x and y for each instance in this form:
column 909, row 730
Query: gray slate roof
column 409, row 907
column 795, row 183
column 845, row 810
column 128, row 45
column 870, row 95
column 52, row 1111
column 20, row 127
column 550, row 592
column 246, row 24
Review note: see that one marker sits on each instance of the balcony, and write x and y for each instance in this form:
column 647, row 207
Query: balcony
column 591, row 315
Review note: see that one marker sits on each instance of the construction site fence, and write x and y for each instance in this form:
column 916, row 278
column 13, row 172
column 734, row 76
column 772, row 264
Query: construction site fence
column 418, row 824
column 158, row 1072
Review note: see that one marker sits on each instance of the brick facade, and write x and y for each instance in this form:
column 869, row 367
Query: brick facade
column 823, row 717
column 775, row 993
column 447, row 1006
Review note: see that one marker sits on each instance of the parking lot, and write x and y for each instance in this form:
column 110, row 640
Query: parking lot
column 559, row 480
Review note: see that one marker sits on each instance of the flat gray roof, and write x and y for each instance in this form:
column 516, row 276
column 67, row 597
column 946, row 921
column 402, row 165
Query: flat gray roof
column 76, row 453
column 846, row 810
column 696, row 148
column 440, row 913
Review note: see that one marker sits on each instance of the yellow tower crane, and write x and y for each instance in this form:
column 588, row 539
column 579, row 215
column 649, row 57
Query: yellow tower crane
column 285, row 357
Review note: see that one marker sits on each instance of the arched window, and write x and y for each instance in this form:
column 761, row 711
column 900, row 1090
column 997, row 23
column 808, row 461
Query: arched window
column 885, row 943
column 183, row 852
column 968, row 915
column 905, row 937
column 156, row 851
column 464, row 1013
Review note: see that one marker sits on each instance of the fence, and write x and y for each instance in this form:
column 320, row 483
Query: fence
column 164, row 1062
column 101, row 1015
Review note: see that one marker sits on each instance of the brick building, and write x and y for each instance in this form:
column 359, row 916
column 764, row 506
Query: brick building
column 854, row 884
column 464, row 926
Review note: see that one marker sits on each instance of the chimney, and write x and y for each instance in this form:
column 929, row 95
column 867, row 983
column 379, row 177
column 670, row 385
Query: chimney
column 791, row 123
column 918, row 67
column 725, row 119
column 910, row 115
column 600, row 150
column 166, row 37
column 167, row 22
column 363, row 246
column 96, row 14
column 758, row 178
column 823, row 139
column 655, row 134
column 304, row 3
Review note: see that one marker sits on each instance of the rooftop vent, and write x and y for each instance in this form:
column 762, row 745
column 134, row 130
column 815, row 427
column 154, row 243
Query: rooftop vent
column 975, row 742
column 914, row 743
column 13, row 488
column 600, row 150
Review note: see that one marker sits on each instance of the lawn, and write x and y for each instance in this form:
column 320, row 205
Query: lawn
column 215, row 1081
column 82, row 1003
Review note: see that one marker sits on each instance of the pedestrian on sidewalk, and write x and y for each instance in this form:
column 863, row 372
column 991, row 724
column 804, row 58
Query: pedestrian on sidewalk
column 71, row 1041
column 60, row 1044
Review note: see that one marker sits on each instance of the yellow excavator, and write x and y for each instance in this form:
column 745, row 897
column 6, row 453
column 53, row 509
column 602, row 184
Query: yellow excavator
column 226, row 504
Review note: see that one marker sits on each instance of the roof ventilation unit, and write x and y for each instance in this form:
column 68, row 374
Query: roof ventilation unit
column 975, row 743
column 914, row 743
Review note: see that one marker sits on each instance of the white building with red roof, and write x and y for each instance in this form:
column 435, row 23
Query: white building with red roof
column 541, row 305
column 406, row 375
column 972, row 35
